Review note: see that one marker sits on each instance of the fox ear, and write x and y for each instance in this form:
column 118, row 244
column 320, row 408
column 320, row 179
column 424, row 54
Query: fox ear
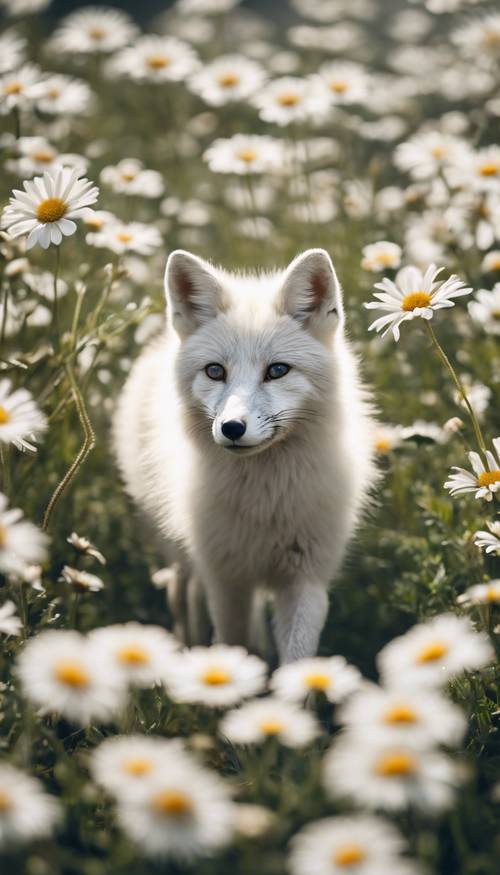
column 311, row 292
column 194, row 293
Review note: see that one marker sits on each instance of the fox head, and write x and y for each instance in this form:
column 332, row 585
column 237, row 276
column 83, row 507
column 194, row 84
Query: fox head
column 254, row 359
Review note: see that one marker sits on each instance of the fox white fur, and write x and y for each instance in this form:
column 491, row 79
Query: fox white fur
column 274, row 509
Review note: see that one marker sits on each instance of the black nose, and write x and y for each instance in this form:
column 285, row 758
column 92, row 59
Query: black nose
column 233, row 429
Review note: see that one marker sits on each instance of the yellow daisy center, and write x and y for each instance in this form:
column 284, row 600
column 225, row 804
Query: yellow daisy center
column 439, row 151
column 158, row 62
column 216, row 677
column 172, row 803
column 487, row 478
column 491, row 37
column 138, row 766
column 97, row 33
column 5, row 802
column 247, row 155
column 3, row 536
column 385, row 258
column 383, row 445
column 400, row 714
column 492, row 594
column 133, row 654
column 271, row 727
column 13, row 88
column 395, row 765
column 317, row 680
column 433, row 651
column 94, row 222
column 51, row 210
column 338, row 86
column 349, row 855
column 71, row 673
column 228, row 80
column 289, row 98
column 490, row 168
column 124, row 237
column 494, row 264
column 128, row 176
column 43, row 157
column 414, row 300
column 4, row 415
column 54, row 93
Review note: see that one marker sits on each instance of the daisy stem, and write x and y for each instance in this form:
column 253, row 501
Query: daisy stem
column 85, row 449
column 461, row 389
column 17, row 122
column 55, row 306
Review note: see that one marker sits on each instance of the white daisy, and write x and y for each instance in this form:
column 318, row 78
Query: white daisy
column 80, row 580
column 381, row 255
column 97, row 219
column 63, row 672
column 491, row 261
column 271, row 717
column 432, row 653
column 422, row 431
column 42, row 284
column 481, row 594
column 357, row 843
column 155, row 59
column 45, row 209
column 37, row 155
column 479, row 36
column 397, row 715
column 413, row 294
column 291, row 99
column 228, row 78
column 346, row 82
column 392, row 776
column 428, row 153
column 94, row 29
column 21, row 542
column 63, row 95
column 489, row 541
column 485, row 309
column 10, row 624
column 245, row 153
column 83, row 545
column 205, row 7
column 123, row 763
column 139, row 652
column 17, row 88
column 12, row 48
column 26, row 811
column 21, row 421
column 386, row 437
column 484, row 481
column 24, row 7
column 330, row 675
column 130, row 177
column 481, row 170
column 217, row 676
column 132, row 237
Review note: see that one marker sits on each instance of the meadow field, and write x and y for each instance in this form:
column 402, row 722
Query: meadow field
column 370, row 129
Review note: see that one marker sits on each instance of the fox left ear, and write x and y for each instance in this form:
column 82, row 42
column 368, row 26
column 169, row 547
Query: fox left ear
column 311, row 292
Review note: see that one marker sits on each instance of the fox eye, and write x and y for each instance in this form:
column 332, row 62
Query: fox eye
column 215, row 371
column 277, row 370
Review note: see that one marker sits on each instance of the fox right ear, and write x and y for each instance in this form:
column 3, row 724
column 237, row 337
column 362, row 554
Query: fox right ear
column 193, row 290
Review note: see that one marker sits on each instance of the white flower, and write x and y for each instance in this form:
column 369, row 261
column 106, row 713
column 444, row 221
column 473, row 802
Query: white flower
column 417, row 716
column 291, row 99
column 36, row 155
column 24, row 7
column 130, row 177
column 330, row 675
column 12, row 48
column 245, row 153
column 17, row 88
column 387, row 437
column 139, row 652
column 485, row 309
column 481, row 593
column 432, row 653
column 427, row 154
column 62, row 95
column 132, row 237
column 413, row 294
column 26, row 812
column 266, row 718
column 124, row 763
column 9, row 623
column 481, row 170
column 81, row 581
column 21, row 421
column 378, row 256
column 484, row 482
column 392, row 776
column 491, row 261
column 228, row 78
column 45, row 209
column 21, row 542
column 425, row 431
column 217, row 676
column 205, row 7
column 155, row 59
column 357, row 843
column 346, row 82
column 83, row 545
column 479, row 35
column 182, row 812
column 64, row 672
column 93, row 29
column 489, row 540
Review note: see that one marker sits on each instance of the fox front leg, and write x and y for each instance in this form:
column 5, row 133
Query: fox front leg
column 300, row 613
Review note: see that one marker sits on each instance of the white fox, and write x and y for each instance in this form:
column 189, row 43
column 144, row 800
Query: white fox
column 244, row 435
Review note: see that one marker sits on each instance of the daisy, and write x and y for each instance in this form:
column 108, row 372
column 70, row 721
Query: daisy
column 245, row 153
column 26, row 811
column 228, row 78
column 21, row 542
column 479, row 35
column 45, row 209
column 36, row 155
column 83, row 545
column 12, row 48
column 63, row 95
column 481, row 170
column 132, row 237
column 290, row 100
column 183, row 813
column 155, row 59
column 261, row 719
column 397, row 715
column 336, row 845
column 63, row 672
column 42, row 284
column 24, row 7
column 425, row 432
column 413, row 294
column 483, row 481
column 481, row 594
column 205, row 7
column 96, row 220
column 122, row 764
column 139, row 652
column 485, row 309
column 346, row 82
column 432, row 653
column 81, row 581
column 17, row 88
column 381, row 255
column 491, row 261
column 330, row 675
column 9, row 623
column 95, row 29
column 378, row 774
column 428, row 153
column 386, row 438
column 217, row 676
column 21, row 421
column 490, row 540
column 130, row 177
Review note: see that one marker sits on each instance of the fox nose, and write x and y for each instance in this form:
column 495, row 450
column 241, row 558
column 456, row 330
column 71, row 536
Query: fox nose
column 233, row 429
